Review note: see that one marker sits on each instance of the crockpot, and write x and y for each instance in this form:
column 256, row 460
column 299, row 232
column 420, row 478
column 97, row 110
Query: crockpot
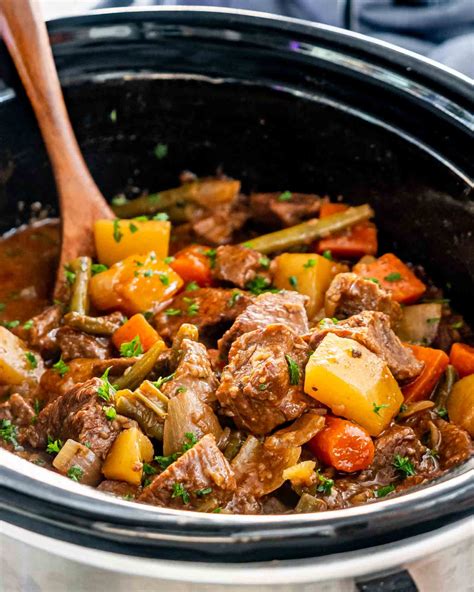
column 279, row 104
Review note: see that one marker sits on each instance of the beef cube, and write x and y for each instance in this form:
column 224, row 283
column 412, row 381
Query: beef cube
column 75, row 344
column 42, row 334
column 372, row 329
column 350, row 294
column 262, row 386
column 200, row 478
column 218, row 227
column 239, row 265
column 212, row 310
column 118, row 489
column 17, row 410
column 285, row 307
column 78, row 415
column 270, row 209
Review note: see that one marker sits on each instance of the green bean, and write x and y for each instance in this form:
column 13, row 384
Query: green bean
column 309, row 231
column 93, row 325
column 444, row 387
column 202, row 192
column 140, row 370
column 79, row 302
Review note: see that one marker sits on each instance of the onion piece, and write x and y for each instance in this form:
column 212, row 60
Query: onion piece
column 419, row 323
column 79, row 463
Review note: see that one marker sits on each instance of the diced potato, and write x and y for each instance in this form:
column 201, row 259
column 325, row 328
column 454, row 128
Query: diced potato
column 460, row 404
column 353, row 382
column 136, row 284
column 419, row 324
column 117, row 239
column 17, row 363
column 125, row 459
column 307, row 273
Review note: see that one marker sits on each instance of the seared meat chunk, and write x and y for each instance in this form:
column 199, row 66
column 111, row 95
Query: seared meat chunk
column 239, row 265
column 185, row 484
column 373, row 330
column 284, row 209
column 193, row 374
column 17, row 410
column 285, row 307
column 77, row 415
column 262, row 386
column 212, row 310
column 42, row 334
column 350, row 294
column 75, row 344
column 218, row 227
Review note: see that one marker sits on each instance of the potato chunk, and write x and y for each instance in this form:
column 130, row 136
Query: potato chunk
column 308, row 274
column 353, row 382
column 117, row 239
column 461, row 404
column 17, row 363
column 125, row 459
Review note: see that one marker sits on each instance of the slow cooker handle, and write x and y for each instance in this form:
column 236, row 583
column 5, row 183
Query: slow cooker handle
column 397, row 582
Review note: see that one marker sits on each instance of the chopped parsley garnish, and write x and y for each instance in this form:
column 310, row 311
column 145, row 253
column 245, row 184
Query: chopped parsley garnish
column 162, row 380
column 403, row 408
column 119, row 200
column 31, row 359
column 310, row 263
column 8, row 432
column 293, row 281
column 131, row 349
column 235, row 296
column 168, row 260
column 27, row 326
column 161, row 151
column 325, row 485
column 442, row 412
column 205, row 491
column 10, row 324
column 105, row 391
column 69, row 274
column 61, row 367
column 161, row 217
column 173, row 312
column 75, row 473
column 109, row 412
column 258, row 285
column 98, row 268
column 216, row 510
column 327, row 255
column 383, row 491
column 404, row 465
column 118, row 234
column 457, row 325
column 263, row 386
column 393, row 277
column 191, row 287
column 264, row 262
column 164, row 279
column 133, row 227
column 293, row 370
column 433, row 320
column 113, row 115
column 193, row 306
column 375, row 280
column 211, row 255
column 141, row 218
column 285, row 196
column 180, row 491
column 127, row 497
column 166, row 461
column 149, row 469
column 181, row 389
column 376, row 408
column 190, row 441
column 54, row 446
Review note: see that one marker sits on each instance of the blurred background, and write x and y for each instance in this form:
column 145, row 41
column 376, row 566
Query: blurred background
column 442, row 30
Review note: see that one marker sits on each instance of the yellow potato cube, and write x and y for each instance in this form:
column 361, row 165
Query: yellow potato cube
column 117, row 239
column 307, row 273
column 460, row 404
column 17, row 363
column 353, row 382
column 125, row 459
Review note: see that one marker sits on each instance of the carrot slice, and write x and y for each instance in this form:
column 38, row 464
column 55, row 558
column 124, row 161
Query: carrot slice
column 193, row 265
column 436, row 362
column 462, row 358
column 393, row 275
column 136, row 326
column 352, row 243
column 343, row 445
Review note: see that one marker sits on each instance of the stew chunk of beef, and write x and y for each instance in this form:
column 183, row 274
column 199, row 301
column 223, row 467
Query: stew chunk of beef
column 373, row 330
column 17, row 410
column 262, row 386
column 78, row 415
column 239, row 265
column 350, row 294
column 284, row 209
column 42, row 334
column 212, row 310
column 200, row 478
column 75, row 344
column 285, row 307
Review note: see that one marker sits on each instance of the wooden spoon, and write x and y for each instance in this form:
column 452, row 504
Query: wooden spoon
column 81, row 203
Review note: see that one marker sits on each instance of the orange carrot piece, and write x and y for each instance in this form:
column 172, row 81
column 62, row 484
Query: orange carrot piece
column 136, row 326
column 343, row 445
column 193, row 265
column 461, row 357
column 352, row 243
column 436, row 362
column 393, row 275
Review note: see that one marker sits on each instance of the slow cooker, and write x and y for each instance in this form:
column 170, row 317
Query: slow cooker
column 277, row 103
